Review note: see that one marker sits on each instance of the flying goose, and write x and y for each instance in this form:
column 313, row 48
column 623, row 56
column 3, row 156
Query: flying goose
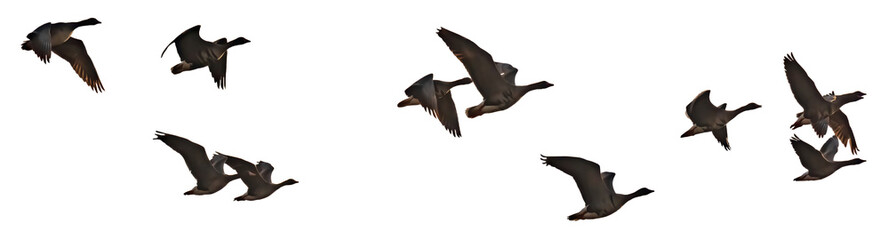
column 596, row 189
column 56, row 37
column 838, row 122
column 495, row 81
column 258, row 179
column 818, row 110
column 209, row 173
column 819, row 164
column 195, row 52
column 435, row 97
column 706, row 117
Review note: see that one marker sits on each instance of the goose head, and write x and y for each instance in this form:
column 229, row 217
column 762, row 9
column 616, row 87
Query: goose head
column 91, row 21
column 642, row 192
column 288, row 182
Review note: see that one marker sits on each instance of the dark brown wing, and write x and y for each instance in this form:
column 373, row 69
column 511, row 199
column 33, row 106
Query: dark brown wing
column 811, row 158
column 587, row 176
column 840, row 125
column 447, row 114
column 217, row 69
column 700, row 110
column 721, row 135
column 803, row 88
column 247, row 172
column 40, row 42
column 478, row 63
column 265, row 171
column 424, row 91
column 74, row 52
column 194, row 154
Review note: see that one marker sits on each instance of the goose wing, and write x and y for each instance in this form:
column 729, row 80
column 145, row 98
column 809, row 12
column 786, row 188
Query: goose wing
column 217, row 70
column 248, row 172
column 74, row 52
column 803, row 88
column 192, row 48
column 586, row 175
column 424, row 91
column 841, row 129
column 507, row 71
column 829, row 149
column 700, row 110
column 218, row 162
column 447, row 114
column 478, row 63
column 40, row 42
column 265, row 170
column 194, row 154
column 811, row 158
column 608, row 177
column 721, row 135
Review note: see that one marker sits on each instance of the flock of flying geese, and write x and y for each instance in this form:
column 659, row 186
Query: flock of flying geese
column 495, row 81
column 194, row 51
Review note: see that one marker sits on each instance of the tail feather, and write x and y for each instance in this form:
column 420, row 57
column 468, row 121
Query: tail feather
column 27, row 45
column 181, row 67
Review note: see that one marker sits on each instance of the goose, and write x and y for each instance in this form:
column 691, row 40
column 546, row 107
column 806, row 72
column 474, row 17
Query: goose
column 820, row 111
column 495, row 81
column 209, row 173
column 596, row 188
column 195, row 52
column 435, row 97
column 838, row 122
column 56, row 37
column 819, row 164
column 258, row 179
column 706, row 117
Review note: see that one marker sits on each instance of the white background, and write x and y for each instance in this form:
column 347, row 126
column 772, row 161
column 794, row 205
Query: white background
column 315, row 91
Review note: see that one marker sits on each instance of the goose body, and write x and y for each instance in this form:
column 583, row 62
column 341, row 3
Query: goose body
column 258, row 179
column 819, row 164
column 209, row 173
column 195, row 52
column 707, row 117
column 597, row 189
column 435, row 97
column 819, row 111
column 495, row 81
column 56, row 38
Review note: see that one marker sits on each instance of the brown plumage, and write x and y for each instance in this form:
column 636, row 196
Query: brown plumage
column 495, row 81
column 56, row 37
column 706, row 117
column 435, row 97
column 820, row 111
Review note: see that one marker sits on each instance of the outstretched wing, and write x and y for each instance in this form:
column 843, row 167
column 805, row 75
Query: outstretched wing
column 840, row 125
column 803, row 88
column 811, row 158
column 194, row 154
column 40, row 42
column 424, row 91
column 218, row 162
column 447, row 114
column 586, row 175
column 700, row 110
column 721, row 135
column 265, row 170
column 246, row 171
column 74, row 52
column 507, row 71
column 217, row 70
column 829, row 149
column 478, row 63
column 608, row 177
